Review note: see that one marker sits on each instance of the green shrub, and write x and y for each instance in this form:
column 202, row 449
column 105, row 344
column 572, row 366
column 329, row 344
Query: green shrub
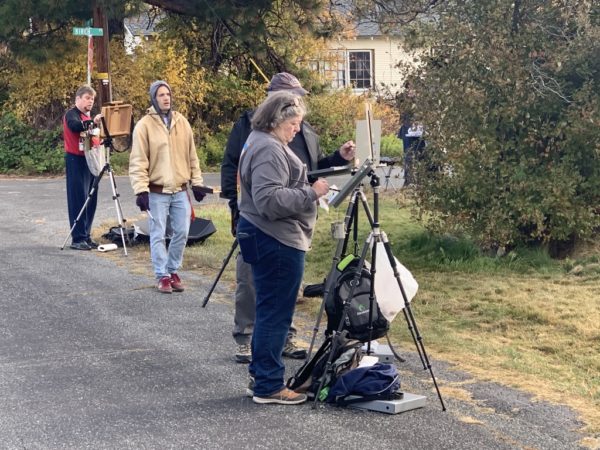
column 212, row 149
column 210, row 101
column 391, row 146
column 511, row 126
column 334, row 115
column 28, row 151
column 119, row 162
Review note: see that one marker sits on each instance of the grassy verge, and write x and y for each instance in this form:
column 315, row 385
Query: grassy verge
column 523, row 320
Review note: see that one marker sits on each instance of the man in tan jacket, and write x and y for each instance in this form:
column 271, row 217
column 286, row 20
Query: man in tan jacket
column 163, row 161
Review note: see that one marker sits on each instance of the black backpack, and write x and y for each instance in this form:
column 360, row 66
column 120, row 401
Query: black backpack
column 308, row 378
column 357, row 320
column 200, row 230
column 114, row 236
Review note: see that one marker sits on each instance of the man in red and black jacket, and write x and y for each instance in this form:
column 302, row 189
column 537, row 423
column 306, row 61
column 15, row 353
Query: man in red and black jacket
column 76, row 124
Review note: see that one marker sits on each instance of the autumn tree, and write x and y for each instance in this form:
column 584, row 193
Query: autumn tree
column 236, row 42
column 272, row 32
column 509, row 93
column 213, row 53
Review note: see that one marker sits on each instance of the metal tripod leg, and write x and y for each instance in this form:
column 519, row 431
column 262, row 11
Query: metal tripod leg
column 388, row 178
column 113, row 185
column 410, row 319
column 218, row 277
column 93, row 189
column 115, row 196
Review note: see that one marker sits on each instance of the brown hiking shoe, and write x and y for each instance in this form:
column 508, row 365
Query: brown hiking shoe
column 293, row 350
column 176, row 283
column 283, row 397
column 243, row 354
column 164, row 285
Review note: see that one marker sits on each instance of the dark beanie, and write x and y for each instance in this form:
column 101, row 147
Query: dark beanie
column 153, row 88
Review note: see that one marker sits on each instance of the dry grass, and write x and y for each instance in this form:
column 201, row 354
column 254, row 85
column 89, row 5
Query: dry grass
column 538, row 333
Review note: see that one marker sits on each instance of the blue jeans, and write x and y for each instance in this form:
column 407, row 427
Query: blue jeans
column 79, row 183
column 277, row 276
column 177, row 207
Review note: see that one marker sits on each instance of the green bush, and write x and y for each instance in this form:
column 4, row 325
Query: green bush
column 119, row 162
column 212, row 149
column 511, row 123
column 28, row 151
column 391, row 146
column 334, row 115
column 211, row 102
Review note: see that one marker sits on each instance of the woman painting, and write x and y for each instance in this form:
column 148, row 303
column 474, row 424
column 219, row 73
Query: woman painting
column 278, row 209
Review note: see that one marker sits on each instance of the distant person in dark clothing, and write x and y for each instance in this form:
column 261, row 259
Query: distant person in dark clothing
column 77, row 126
column 411, row 135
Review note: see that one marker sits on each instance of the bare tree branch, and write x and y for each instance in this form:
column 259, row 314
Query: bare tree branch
column 545, row 84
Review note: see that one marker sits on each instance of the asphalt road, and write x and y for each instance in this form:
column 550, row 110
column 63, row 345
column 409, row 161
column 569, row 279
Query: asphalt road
column 91, row 356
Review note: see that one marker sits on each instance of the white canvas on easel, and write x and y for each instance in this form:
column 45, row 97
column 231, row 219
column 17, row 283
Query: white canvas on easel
column 363, row 150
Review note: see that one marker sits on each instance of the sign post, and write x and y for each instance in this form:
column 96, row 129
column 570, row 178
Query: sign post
column 89, row 32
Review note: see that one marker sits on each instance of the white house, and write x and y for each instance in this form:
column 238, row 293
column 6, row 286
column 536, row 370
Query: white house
column 366, row 61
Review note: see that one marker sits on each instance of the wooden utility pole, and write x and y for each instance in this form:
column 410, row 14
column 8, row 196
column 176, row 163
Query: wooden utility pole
column 101, row 55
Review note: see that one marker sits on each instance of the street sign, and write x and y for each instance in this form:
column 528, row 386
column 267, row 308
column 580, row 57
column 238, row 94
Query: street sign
column 88, row 31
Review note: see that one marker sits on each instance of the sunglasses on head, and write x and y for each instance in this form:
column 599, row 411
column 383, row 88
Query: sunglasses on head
column 293, row 103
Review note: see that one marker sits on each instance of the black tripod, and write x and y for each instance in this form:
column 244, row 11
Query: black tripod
column 387, row 167
column 375, row 236
column 218, row 277
column 108, row 144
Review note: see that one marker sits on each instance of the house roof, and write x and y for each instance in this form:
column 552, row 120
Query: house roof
column 363, row 24
column 367, row 28
column 141, row 25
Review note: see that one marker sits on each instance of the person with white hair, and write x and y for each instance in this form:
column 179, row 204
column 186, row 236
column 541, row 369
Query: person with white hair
column 305, row 145
column 77, row 124
column 278, row 212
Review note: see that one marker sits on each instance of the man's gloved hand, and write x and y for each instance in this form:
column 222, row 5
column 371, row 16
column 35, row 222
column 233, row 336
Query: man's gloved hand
column 235, row 216
column 143, row 201
column 198, row 194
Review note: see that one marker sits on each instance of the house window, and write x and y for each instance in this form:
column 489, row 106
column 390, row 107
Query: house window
column 347, row 68
column 333, row 68
column 337, row 73
column 360, row 69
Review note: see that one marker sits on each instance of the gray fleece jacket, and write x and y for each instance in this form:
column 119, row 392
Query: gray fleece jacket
column 274, row 192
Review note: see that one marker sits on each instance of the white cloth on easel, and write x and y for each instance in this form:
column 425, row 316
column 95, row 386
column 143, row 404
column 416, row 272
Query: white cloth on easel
column 387, row 291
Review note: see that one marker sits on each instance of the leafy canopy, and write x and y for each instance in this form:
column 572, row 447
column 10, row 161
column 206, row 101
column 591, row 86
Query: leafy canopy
column 509, row 93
